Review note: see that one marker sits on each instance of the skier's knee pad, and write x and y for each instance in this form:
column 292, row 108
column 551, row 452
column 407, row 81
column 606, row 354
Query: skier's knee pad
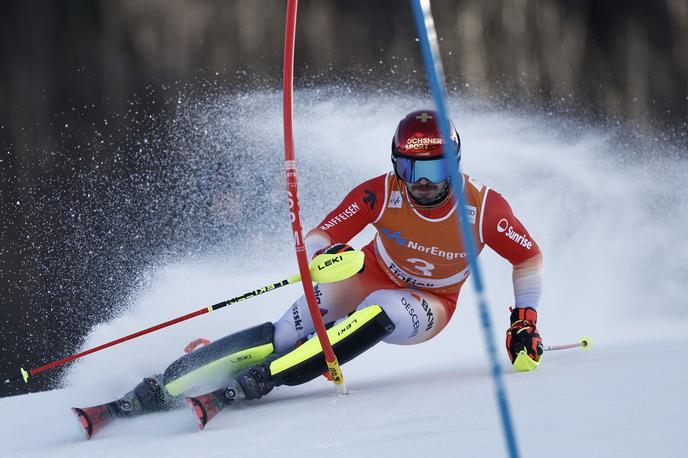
column 216, row 362
column 349, row 338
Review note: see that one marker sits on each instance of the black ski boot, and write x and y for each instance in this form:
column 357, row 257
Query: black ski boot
column 255, row 381
column 148, row 396
column 251, row 383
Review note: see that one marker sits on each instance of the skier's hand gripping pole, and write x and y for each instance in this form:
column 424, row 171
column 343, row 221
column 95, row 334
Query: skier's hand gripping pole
column 523, row 341
column 325, row 268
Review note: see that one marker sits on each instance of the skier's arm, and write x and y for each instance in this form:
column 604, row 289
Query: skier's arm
column 358, row 209
column 505, row 234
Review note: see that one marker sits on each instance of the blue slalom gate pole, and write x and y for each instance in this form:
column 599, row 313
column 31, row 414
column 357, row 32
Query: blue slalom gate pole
column 427, row 34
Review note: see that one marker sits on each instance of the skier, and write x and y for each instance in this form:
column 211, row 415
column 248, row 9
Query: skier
column 405, row 294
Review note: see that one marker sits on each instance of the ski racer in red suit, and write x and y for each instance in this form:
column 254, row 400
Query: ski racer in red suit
column 405, row 294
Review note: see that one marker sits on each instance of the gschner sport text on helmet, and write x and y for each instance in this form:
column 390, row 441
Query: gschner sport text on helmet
column 417, row 148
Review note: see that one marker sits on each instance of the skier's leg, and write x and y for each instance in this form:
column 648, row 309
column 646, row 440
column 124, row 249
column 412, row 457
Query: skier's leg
column 296, row 324
column 335, row 301
column 398, row 316
column 349, row 337
column 214, row 363
column 417, row 315
column 210, row 365
column 402, row 316
column 222, row 358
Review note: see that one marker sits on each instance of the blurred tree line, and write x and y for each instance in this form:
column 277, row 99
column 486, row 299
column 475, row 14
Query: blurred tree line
column 79, row 79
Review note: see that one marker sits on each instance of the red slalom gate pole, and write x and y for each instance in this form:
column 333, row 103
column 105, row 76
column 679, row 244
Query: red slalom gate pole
column 292, row 190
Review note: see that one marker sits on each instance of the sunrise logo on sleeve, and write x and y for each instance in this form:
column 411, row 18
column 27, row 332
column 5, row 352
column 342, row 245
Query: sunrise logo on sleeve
column 508, row 230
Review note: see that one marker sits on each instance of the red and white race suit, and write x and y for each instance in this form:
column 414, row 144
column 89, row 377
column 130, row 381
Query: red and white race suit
column 417, row 262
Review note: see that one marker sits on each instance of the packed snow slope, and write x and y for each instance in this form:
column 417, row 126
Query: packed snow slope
column 611, row 225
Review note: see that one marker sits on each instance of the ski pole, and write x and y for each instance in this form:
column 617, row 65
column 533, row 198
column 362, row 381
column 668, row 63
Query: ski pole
column 585, row 343
column 325, row 268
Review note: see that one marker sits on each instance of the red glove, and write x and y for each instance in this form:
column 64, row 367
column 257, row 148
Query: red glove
column 523, row 334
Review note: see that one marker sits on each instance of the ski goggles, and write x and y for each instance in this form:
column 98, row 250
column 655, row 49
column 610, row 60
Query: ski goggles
column 412, row 170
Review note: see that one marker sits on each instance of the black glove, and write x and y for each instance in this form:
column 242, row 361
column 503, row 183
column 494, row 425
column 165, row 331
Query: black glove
column 336, row 248
column 523, row 334
column 333, row 249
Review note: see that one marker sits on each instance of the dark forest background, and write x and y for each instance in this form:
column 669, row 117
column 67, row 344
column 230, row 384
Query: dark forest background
column 84, row 85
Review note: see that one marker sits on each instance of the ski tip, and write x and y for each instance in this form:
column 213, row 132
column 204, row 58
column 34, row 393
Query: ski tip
column 84, row 422
column 199, row 411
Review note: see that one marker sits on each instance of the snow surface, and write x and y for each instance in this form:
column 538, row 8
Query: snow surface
column 612, row 233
